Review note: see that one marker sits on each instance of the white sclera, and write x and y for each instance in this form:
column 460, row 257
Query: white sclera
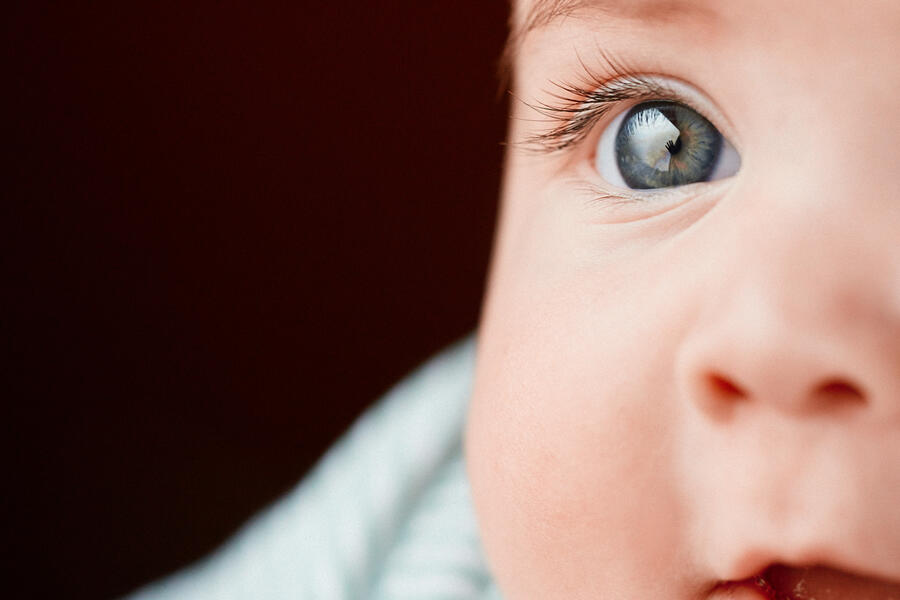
column 728, row 164
column 605, row 160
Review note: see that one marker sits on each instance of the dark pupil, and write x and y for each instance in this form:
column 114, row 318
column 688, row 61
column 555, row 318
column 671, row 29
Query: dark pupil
column 664, row 144
column 674, row 147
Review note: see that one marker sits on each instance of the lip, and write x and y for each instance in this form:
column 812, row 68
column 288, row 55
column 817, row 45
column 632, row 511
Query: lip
column 785, row 582
column 754, row 588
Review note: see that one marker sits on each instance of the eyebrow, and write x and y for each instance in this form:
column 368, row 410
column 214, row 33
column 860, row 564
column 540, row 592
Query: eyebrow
column 542, row 13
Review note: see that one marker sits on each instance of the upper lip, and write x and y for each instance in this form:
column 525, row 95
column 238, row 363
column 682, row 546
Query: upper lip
column 861, row 567
column 789, row 582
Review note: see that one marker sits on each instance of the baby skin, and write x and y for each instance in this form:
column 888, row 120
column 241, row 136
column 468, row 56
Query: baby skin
column 688, row 374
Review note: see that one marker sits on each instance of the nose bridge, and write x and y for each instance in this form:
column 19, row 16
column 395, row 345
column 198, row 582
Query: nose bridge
column 818, row 255
column 818, row 221
column 802, row 307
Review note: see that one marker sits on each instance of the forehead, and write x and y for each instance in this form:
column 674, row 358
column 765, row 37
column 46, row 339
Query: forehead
column 720, row 35
column 533, row 14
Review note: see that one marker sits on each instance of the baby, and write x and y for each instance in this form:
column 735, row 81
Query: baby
column 688, row 372
column 687, row 376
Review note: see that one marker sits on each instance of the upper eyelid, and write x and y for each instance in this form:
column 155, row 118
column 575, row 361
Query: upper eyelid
column 581, row 107
column 577, row 108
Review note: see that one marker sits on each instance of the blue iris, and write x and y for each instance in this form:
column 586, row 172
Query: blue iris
column 663, row 144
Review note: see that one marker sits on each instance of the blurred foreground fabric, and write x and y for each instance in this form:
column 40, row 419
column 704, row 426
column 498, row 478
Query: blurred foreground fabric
column 385, row 515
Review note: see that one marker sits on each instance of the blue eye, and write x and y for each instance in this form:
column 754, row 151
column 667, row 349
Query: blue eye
column 663, row 144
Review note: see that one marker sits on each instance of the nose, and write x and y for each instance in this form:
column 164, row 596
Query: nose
column 752, row 352
column 800, row 316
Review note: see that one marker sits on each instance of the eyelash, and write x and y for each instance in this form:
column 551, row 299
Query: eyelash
column 576, row 107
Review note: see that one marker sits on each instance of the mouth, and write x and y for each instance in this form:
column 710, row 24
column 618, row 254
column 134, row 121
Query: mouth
column 783, row 582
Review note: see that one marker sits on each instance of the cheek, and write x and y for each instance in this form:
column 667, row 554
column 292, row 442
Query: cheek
column 569, row 437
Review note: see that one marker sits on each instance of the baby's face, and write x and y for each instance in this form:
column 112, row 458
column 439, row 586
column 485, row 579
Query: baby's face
column 689, row 361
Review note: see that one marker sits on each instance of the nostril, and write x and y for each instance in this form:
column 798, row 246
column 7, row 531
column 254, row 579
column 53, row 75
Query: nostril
column 840, row 391
column 720, row 396
column 723, row 387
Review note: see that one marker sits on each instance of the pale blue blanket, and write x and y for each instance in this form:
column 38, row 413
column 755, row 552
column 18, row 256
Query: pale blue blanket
column 386, row 514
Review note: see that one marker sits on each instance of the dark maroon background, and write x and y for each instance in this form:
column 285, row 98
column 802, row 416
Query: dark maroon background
column 229, row 227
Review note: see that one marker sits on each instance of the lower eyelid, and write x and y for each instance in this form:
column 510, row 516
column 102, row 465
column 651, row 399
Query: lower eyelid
column 611, row 207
